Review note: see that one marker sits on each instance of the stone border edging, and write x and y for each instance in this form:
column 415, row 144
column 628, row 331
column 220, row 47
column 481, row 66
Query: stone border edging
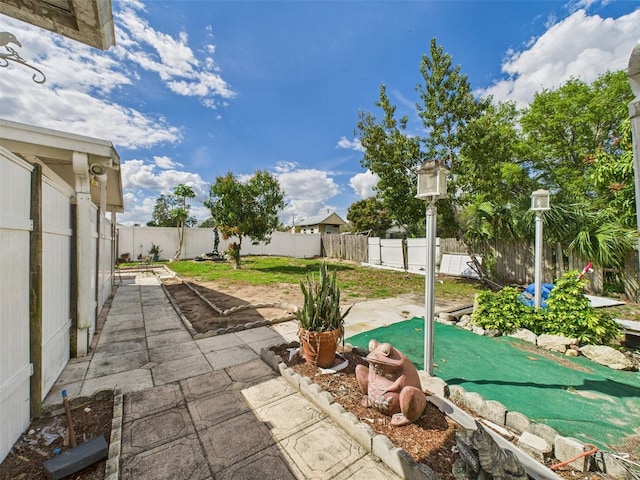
column 397, row 459
column 112, row 468
column 401, row 462
column 231, row 329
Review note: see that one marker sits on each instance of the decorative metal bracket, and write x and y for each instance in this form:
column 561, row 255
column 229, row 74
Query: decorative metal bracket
column 9, row 54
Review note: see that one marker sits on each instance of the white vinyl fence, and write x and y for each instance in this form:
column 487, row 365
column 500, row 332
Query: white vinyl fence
column 20, row 356
column 15, row 366
column 56, row 279
column 136, row 241
column 389, row 252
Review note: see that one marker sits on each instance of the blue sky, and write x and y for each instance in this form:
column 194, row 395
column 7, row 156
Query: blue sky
column 195, row 89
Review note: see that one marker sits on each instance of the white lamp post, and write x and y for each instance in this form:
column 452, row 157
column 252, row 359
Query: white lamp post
column 539, row 203
column 633, row 73
column 432, row 185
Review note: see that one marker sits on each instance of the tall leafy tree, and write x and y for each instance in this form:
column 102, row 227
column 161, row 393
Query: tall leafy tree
column 369, row 215
column 447, row 104
column 162, row 213
column 245, row 209
column 394, row 156
column 180, row 213
column 573, row 140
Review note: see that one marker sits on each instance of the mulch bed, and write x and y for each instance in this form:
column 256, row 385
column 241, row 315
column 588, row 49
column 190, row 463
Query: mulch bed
column 430, row 440
column 91, row 418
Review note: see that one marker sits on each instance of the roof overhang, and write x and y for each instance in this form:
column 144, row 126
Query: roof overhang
column 55, row 150
column 87, row 21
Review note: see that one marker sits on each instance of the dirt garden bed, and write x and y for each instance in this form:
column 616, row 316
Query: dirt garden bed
column 45, row 438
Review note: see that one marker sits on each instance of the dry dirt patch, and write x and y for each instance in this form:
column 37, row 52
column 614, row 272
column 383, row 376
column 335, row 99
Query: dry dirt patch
column 91, row 418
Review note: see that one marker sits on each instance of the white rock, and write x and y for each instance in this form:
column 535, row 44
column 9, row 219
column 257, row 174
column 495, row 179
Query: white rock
column 556, row 343
column 607, row 356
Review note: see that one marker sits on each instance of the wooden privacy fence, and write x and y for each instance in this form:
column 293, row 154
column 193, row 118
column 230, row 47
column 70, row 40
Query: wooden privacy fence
column 346, row 247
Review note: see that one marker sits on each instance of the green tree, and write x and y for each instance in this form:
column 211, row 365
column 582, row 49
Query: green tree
column 162, row 213
column 394, row 156
column 180, row 213
column 574, row 140
column 246, row 209
column 369, row 215
column 565, row 128
column 447, row 104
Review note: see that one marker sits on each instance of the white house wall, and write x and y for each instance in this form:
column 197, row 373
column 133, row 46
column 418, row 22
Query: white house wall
column 56, row 279
column 15, row 368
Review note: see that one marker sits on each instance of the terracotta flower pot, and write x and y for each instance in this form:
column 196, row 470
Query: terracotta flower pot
column 319, row 348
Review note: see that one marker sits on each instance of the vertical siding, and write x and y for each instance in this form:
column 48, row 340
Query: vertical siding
column 56, row 280
column 15, row 369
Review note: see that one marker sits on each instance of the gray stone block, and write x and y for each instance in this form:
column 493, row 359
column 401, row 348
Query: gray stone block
column 534, row 445
column 456, row 394
column 614, row 467
column 494, row 411
column 360, row 432
column 473, row 401
column 544, row 431
column 290, row 376
column 566, row 448
column 433, row 385
column 399, row 460
column 517, row 421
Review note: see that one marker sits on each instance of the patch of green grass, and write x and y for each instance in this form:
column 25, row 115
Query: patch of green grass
column 355, row 281
column 629, row 311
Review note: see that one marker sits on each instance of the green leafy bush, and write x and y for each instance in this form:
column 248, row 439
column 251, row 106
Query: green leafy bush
column 502, row 311
column 568, row 313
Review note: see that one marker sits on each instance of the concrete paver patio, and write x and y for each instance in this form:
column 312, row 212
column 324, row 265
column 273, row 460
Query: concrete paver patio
column 199, row 409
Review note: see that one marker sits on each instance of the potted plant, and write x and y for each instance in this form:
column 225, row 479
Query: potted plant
column 321, row 320
column 154, row 252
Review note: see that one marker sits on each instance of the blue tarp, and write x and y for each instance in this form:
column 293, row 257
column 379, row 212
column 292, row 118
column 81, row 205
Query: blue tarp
column 528, row 296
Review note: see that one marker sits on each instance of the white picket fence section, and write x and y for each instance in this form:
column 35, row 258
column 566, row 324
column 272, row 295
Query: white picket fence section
column 15, row 366
column 136, row 241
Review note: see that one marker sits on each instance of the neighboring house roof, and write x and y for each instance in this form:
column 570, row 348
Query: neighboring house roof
column 324, row 219
column 87, row 21
column 55, row 150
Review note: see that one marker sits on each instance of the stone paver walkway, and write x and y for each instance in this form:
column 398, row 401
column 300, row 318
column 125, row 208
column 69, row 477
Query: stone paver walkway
column 209, row 408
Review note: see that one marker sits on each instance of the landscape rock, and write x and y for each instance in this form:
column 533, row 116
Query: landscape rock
column 465, row 320
column 524, row 334
column 607, row 356
column 478, row 330
column 556, row 343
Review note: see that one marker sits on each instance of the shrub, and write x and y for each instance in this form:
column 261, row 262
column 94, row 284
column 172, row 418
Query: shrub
column 502, row 311
column 568, row 313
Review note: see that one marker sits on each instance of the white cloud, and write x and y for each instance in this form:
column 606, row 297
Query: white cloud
column 165, row 162
column 307, row 191
column 172, row 59
column 580, row 46
column 143, row 183
column 354, row 144
column 80, row 81
column 363, row 184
